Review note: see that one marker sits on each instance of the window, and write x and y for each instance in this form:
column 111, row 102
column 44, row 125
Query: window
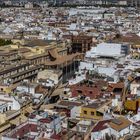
column 99, row 113
column 9, row 107
column 85, row 112
column 84, row 128
column 90, row 92
column 92, row 113
column 79, row 91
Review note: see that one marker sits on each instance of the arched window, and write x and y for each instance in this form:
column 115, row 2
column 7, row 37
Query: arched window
column 6, row 109
column 3, row 110
column 9, row 107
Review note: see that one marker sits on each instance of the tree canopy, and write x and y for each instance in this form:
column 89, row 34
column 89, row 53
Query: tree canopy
column 5, row 42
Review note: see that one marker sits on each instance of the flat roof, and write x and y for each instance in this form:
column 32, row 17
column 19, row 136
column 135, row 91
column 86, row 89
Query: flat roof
column 96, row 104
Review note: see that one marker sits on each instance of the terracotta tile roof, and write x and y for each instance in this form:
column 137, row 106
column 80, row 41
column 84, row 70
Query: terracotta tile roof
column 46, row 120
column 138, row 122
column 130, row 38
column 112, row 86
column 56, row 137
column 24, row 130
column 101, row 83
column 41, row 89
column 101, row 126
column 69, row 103
column 120, row 123
column 79, row 37
column 87, row 91
column 37, row 42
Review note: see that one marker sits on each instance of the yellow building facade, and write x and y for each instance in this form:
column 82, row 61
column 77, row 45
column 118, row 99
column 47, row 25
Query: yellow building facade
column 89, row 113
column 95, row 111
column 132, row 104
column 5, row 89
